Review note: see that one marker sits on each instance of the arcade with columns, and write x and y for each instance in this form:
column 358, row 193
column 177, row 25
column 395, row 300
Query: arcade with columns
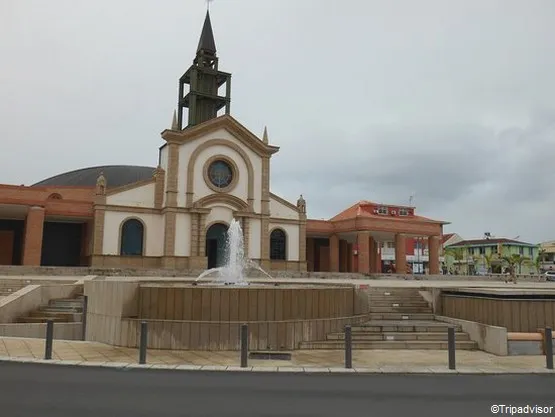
column 353, row 241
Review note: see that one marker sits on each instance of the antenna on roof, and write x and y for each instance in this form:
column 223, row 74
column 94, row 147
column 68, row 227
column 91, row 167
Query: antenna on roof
column 208, row 4
column 411, row 199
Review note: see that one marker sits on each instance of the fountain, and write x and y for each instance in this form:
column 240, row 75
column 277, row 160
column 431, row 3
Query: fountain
column 236, row 263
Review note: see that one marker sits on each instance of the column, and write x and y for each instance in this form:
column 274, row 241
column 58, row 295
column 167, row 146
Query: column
column 372, row 255
column 343, row 256
column 378, row 257
column 363, row 239
column 334, row 253
column 310, row 253
column 433, row 255
column 400, row 253
column 32, row 247
column 350, row 257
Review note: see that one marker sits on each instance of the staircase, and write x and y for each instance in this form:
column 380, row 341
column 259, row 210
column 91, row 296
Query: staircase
column 399, row 319
column 62, row 310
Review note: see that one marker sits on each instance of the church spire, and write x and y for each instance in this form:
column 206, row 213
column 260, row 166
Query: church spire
column 204, row 79
column 206, row 42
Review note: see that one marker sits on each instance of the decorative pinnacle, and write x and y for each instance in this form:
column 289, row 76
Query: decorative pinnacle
column 208, row 4
column 265, row 135
column 174, row 121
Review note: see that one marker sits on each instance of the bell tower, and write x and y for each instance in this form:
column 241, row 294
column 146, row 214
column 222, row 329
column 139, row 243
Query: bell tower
column 204, row 80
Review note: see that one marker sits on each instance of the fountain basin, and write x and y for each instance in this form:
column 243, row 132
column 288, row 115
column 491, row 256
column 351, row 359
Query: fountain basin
column 256, row 302
column 187, row 317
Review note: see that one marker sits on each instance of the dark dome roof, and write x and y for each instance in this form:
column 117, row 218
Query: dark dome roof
column 116, row 176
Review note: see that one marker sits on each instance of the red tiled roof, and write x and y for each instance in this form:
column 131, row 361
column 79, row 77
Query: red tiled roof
column 492, row 241
column 365, row 208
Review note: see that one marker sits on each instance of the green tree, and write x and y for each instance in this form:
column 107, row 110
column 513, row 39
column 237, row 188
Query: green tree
column 514, row 261
column 539, row 260
column 488, row 259
column 457, row 254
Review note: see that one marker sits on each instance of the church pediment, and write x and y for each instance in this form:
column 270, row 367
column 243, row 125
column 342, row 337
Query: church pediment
column 226, row 122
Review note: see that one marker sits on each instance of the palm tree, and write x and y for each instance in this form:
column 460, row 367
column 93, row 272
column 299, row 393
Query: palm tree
column 457, row 254
column 489, row 259
column 512, row 261
column 539, row 260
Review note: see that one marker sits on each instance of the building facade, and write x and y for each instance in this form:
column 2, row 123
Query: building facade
column 373, row 238
column 481, row 256
column 211, row 170
column 547, row 253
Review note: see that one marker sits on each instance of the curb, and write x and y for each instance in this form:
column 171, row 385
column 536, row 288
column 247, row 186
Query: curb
column 433, row 370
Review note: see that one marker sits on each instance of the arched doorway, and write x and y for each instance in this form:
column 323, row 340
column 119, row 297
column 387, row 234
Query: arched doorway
column 215, row 244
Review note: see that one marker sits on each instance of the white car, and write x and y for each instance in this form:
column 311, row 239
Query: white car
column 549, row 275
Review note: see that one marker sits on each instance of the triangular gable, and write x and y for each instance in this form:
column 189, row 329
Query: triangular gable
column 228, row 123
column 284, row 202
column 132, row 186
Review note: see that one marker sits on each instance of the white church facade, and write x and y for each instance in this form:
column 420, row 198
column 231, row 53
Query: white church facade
column 210, row 172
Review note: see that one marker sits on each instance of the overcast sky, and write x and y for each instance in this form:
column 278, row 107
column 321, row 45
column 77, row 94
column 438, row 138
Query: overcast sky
column 453, row 101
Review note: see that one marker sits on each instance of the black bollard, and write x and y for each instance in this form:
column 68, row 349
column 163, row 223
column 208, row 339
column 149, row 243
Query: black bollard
column 84, row 319
column 348, row 347
column 142, row 345
column 244, row 345
column 451, row 346
column 548, row 347
column 49, row 340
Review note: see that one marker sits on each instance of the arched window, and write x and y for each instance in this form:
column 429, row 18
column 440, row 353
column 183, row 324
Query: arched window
column 132, row 238
column 278, row 245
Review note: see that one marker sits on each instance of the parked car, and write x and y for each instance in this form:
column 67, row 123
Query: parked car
column 549, row 276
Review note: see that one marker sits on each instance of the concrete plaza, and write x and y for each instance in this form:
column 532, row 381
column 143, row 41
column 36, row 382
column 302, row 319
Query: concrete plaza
column 379, row 361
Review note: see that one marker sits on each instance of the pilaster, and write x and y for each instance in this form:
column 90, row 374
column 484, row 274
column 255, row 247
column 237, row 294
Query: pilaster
column 32, row 246
column 172, row 175
column 334, row 253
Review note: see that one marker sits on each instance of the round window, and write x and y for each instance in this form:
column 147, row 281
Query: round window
column 220, row 174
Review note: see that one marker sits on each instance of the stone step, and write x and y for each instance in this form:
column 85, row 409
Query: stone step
column 401, row 316
column 393, row 299
column 53, row 314
column 394, row 292
column 401, row 329
column 56, row 309
column 394, row 336
column 397, row 308
column 413, row 344
column 66, row 303
column 393, row 302
column 38, row 319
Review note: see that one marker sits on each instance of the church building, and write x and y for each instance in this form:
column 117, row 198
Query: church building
column 211, row 169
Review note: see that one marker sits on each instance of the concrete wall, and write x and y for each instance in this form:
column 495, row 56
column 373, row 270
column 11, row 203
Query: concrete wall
column 108, row 302
column 31, row 298
column 490, row 339
column 113, row 318
column 62, row 331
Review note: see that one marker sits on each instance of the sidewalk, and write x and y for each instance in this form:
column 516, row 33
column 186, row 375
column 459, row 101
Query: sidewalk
column 377, row 361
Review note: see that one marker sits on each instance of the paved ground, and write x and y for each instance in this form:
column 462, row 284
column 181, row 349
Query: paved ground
column 51, row 391
column 371, row 360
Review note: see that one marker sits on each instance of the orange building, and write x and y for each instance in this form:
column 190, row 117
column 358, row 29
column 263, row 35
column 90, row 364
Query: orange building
column 53, row 226
column 352, row 240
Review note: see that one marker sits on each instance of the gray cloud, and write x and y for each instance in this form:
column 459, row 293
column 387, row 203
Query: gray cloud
column 370, row 100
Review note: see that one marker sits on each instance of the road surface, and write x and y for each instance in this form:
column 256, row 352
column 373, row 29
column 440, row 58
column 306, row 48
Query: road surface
column 64, row 391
